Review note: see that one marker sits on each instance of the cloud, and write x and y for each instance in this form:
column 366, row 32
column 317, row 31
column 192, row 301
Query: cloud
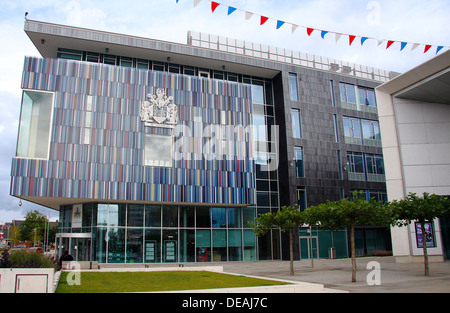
column 84, row 17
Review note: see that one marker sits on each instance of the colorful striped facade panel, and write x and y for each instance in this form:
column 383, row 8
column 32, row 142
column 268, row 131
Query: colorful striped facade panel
column 97, row 138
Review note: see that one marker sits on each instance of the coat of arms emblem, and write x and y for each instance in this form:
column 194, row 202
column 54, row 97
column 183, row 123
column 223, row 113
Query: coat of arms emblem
column 159, row 110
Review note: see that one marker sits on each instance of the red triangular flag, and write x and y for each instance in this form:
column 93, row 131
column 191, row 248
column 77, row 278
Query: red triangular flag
column 389, row 43
column 427, row 47
column 309, row 31
column 214, row 6
column 351, row 38
column 263, row 19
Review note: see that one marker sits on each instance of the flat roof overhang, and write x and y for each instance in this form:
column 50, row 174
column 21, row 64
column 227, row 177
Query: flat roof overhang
column 48, row 37
column 55, row 202
column 428, row 82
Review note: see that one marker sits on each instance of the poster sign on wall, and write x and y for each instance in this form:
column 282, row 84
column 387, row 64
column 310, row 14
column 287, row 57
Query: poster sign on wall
column 429, row 235
column 170, row 250
column 150, row 251
column 77, row 215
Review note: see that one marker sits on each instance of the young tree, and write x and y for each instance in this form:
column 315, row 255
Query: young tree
column 14, row 235
column 33, row 220
column 423, row 209
column 287, row 219
column 350, row 213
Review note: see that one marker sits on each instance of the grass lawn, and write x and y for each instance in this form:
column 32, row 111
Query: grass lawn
column 96, row 282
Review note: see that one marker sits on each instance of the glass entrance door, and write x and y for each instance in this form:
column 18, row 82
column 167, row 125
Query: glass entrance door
column 77, row 244
column 80, row 249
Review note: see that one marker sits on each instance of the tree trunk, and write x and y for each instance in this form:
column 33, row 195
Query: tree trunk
column 291, row 251
column 352, row 243
column 424, row 245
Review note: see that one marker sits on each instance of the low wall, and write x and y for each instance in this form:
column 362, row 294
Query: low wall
column 26, row 280
column 403, row 259
column 79, row 265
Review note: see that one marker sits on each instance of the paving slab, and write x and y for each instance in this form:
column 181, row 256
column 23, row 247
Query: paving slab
column 336, row 274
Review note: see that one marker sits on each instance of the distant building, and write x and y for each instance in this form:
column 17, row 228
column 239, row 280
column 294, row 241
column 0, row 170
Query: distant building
column 158, row 152
column 414, row 112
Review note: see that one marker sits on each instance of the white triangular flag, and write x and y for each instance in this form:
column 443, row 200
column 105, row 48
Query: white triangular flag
column 248, row 15
column 338, row 36
column 380, row 41
column 414, row 46
column 196, row 2
column 294, row 27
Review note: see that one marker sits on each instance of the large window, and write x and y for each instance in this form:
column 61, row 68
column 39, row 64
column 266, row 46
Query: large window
column 158, row 150
column 35, row 121
column 375, row 164
column 301, row 198
column 358, row 97
column 371, row 130
column 367, row 96
column 352, row 127
column 296, row 123
column 355, row 162
column 258, row 94
column 368, row 130
column 298, row 158
column 259, row 128
column 348, row 93
column 135, row 238
column 293, row 86
column 365, row 167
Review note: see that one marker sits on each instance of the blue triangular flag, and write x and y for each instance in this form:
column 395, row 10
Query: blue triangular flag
column 279, row 24
column 403, row 45
column 323, row 33
column 363, row 39
column 439, row 48
column 231, row 10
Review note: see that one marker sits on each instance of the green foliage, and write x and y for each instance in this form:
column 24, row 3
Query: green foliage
column 286, row 219
column 24, row 259
column 33, row 220
column 345, row 213
column 424, row 209
column 5, row 262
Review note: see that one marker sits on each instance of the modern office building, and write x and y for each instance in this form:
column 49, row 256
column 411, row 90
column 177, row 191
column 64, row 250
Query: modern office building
column 414, row 110
column 163, row 152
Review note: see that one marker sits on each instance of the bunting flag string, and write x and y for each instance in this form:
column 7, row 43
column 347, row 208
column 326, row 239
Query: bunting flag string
column 309, row 30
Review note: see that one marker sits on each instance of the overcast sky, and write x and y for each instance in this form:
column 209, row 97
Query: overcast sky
column 418, row 21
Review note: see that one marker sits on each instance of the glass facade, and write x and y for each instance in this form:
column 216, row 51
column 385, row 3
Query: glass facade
column 138, row 233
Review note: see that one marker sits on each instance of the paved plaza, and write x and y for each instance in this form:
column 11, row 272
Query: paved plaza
column 336, row 274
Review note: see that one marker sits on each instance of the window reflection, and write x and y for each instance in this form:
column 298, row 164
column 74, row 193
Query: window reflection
column 257, row 94
column 138, row 233
column 296, row 123
column 293, row 86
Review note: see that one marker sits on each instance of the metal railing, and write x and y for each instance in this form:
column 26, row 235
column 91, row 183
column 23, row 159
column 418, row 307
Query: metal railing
column 231, row 45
